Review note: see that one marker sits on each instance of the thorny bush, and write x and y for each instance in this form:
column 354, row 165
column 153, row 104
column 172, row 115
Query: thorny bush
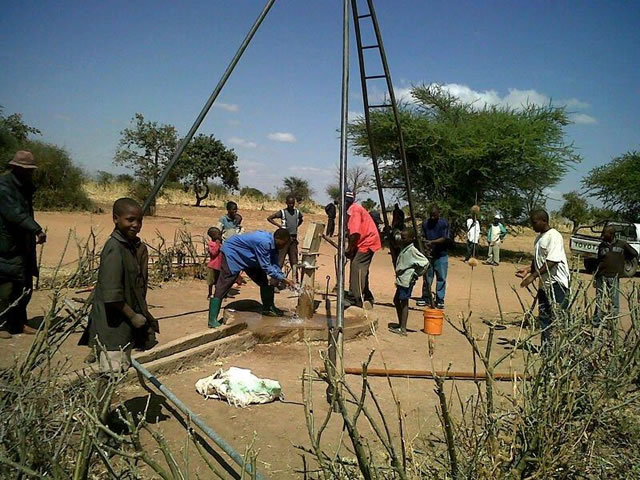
column 574, row 412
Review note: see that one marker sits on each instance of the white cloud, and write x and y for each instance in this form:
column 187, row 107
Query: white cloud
column 575, row 103
column 241, row 142
column 233, row 123
column 583, row 119
column 285, row 137
column 403, row 94
column 229, row 107
column 353, row 115
column 60, row 116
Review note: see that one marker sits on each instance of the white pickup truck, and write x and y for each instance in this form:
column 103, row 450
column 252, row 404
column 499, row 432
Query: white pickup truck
column 585, row 241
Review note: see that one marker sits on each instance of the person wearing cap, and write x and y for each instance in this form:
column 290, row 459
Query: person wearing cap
column 19, row 234
column 495, row 237
column 364, row 241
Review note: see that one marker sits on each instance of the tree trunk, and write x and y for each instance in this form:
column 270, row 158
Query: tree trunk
column 199, row 197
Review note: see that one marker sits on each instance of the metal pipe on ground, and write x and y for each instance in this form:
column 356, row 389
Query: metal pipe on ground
column 208, row 431
column 381, row 372
column 207, row 106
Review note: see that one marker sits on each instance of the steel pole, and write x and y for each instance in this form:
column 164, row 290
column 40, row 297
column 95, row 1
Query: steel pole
column 208, row 431
column 343, row 181
column 203, row 113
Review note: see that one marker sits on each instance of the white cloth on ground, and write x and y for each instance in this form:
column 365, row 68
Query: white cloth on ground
column 239, row 387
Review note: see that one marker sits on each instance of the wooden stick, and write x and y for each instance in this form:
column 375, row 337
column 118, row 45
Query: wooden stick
column 329, row 241
column 381, row 372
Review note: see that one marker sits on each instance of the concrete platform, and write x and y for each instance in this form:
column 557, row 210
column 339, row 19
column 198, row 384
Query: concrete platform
column 358, row 322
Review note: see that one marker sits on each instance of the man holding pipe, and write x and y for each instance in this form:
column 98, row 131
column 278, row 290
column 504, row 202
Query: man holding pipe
column 255, row 253
column 364, row 241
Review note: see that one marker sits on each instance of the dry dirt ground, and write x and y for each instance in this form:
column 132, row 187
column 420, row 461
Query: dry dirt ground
column 278, row 427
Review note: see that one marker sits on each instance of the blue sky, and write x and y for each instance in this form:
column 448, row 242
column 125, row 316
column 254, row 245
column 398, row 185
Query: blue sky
column 79, row 71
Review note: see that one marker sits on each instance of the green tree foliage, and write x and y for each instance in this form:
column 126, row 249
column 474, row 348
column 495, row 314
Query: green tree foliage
column 617, row 185
column 254, row 193
column 13, row 135
column 599, row 214
column 333, row 191
column 146, row 148
column 369, row 204
column 217, row 189
column 298, row 187
column 575, row 208
column 206, row 158
column 455, row 151
column 58, row 181
column 103, row 178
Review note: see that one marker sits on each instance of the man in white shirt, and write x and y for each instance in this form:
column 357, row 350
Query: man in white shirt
column 495, row 236
column 550, row 266
column 473, row 236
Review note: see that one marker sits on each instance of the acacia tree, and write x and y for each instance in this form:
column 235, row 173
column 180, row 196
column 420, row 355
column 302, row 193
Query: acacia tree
column 206, row 158
column 333, row 191
column 359, row 180
column 617, row 185
column 146, row 148
column 575, row 208
column 457, row 151
column 296, row 186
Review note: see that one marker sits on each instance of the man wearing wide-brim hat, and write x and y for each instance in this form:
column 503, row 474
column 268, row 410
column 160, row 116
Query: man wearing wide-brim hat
column 19, row 234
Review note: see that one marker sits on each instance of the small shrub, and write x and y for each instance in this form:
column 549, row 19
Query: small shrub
column 253, row 193
column 218, row 190
column 104, row 178
column 124, row 178
column 58, row 181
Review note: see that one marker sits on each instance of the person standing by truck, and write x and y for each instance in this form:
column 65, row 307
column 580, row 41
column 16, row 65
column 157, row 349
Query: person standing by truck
column 612, row 255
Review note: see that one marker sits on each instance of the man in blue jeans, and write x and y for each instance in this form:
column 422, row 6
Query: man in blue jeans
column 436, row 233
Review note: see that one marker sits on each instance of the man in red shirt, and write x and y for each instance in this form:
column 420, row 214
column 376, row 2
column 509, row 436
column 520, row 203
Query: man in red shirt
column 364, row 241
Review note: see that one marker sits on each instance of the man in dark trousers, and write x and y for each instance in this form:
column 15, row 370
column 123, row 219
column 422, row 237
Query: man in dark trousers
column 397, row 219
column 19, row 234
column 612, row 255
column 436, row 233
column 256, row 254
column 290, row 219
column 331, row 212
column 364, row 241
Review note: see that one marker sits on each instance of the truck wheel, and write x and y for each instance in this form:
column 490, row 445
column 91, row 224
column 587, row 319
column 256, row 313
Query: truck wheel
column 630, row 268
column 590, row 265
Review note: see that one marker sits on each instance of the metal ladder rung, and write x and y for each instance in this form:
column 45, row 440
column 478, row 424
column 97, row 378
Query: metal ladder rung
column 370, row 77
column 367, row 47
column 383, row 105
column 363, row 16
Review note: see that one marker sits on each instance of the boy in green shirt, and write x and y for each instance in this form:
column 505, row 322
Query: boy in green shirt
column 410, row 265
column 119, row 318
